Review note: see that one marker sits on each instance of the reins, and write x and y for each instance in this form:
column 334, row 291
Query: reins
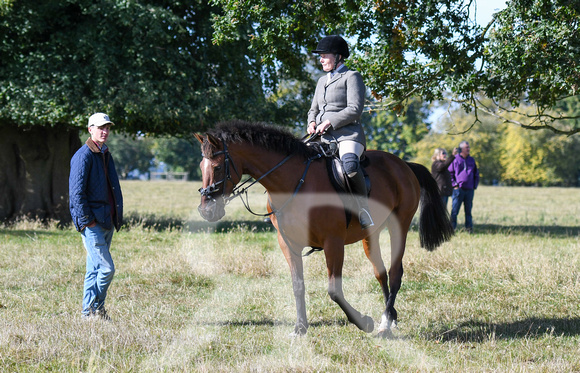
column 275, row 211
column 241, row 189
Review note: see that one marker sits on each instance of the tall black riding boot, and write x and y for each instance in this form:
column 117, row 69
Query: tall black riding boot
column 359, row 191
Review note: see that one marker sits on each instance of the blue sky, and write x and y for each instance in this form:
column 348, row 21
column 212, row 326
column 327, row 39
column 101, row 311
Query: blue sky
column 485, row 8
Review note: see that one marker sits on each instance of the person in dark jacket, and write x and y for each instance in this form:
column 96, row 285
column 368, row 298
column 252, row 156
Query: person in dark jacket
column 441, row 174
column 96, row 207
column 465, row 179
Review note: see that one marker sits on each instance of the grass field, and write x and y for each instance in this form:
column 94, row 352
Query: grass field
column 197, row 297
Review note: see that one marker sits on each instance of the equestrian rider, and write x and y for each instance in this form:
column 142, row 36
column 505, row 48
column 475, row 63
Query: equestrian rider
column 335, row 114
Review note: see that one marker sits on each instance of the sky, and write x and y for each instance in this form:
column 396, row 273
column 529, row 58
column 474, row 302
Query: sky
column 485, row 8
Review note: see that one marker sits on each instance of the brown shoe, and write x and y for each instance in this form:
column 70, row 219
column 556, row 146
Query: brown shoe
column 102, row 314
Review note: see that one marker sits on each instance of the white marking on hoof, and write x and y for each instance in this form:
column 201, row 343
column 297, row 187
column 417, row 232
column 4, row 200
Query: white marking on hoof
column 384, row 324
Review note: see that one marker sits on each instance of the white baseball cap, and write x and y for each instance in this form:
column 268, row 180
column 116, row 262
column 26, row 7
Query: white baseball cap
column 99, row 119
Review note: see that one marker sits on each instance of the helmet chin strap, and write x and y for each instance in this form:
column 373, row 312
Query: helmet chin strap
column 337, row 60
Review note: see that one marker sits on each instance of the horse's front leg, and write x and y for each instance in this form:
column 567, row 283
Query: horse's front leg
column 294, row 259
column 334, row 252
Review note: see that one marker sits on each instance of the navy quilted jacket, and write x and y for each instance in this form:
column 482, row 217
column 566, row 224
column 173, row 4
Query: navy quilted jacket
column 91, row 174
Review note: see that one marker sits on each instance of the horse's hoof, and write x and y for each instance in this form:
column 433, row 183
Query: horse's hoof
column 299, row 330
column 368, row 325
column 295, row 335
column 385, row 334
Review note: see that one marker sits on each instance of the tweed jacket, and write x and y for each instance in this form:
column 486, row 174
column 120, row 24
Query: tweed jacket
column 340, row 99
column 92, row 173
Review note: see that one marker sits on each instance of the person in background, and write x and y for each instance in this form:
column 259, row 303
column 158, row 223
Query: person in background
column 441, row 174
column 335, row 114
column 96, row 207
column 465, row 179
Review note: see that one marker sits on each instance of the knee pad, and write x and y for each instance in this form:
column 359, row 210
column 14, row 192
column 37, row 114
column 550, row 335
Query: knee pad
column 350, row 162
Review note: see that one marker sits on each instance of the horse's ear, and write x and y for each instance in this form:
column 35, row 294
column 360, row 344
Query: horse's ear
column 198, row 137
column 213, row 141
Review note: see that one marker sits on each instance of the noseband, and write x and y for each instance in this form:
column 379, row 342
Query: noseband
column 213, row 188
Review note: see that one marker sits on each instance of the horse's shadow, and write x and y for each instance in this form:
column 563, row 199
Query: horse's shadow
column 472, row 331
column 538, row 230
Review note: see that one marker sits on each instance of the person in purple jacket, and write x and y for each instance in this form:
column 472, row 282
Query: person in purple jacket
column 464, row 179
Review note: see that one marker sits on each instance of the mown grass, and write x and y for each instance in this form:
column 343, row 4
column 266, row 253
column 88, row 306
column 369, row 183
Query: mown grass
column 196, row 297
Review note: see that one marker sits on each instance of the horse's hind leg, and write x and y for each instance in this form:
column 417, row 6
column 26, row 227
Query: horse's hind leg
column 373, row 253
column 334, row 251
column 398, row 231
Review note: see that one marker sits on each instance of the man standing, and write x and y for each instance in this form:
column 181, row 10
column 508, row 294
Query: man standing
column 465, row 179
column 96, row 207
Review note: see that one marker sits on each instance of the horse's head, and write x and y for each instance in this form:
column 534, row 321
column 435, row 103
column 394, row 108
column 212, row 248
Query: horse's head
column 217, row 178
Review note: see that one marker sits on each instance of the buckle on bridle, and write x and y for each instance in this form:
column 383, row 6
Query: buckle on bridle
column 207, row 192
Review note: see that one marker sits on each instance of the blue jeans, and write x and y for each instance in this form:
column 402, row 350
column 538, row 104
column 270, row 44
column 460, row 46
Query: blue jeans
column 445, row 199
column 460, row 196
column 100, row 267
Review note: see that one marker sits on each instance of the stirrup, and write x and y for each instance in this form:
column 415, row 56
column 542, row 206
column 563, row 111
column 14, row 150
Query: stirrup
column 365, row 219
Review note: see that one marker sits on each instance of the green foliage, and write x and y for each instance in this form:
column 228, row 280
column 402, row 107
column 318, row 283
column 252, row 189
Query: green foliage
column 429, row 49
column 506, row 153
column 539, row 158
column 397, row 134
column 179, row 155
column 131, row 153
column 533, row 52
column 386, row 33
column 142, row 152
column 482, row 139
column 151, row 65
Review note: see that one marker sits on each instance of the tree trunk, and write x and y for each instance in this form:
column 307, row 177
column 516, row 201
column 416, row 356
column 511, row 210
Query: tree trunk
column 34, row 170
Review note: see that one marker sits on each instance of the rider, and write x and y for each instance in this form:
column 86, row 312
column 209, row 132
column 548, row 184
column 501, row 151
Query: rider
column 335, row 113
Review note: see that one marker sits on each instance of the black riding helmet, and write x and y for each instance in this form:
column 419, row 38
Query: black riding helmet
column 333, row 44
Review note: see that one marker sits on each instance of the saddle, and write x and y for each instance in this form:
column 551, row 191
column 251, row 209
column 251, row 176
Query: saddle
column 338, row 177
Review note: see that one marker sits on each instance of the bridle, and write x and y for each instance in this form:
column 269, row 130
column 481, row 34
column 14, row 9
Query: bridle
column 241, row 189
column 210, row 190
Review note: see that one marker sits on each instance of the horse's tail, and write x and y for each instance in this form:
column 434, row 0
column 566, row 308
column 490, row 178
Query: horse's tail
column 434, row 225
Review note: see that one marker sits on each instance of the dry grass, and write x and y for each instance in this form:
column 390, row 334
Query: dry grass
column 506, row 299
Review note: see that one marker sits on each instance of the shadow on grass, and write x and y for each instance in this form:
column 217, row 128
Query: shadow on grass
column 537, row 230
column 273, row 323
column 476, row 331
column 162, row 223
column 30, row 233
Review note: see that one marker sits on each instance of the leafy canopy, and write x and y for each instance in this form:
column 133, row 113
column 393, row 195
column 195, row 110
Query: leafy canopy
column 431, row 49
column 151, row 65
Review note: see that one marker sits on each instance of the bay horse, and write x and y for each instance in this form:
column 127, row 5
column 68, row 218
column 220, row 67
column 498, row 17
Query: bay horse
column 306, row 210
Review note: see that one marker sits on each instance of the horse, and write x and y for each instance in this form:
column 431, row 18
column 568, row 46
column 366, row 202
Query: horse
column 307, row 211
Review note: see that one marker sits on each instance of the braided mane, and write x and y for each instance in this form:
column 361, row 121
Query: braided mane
column 266, row 136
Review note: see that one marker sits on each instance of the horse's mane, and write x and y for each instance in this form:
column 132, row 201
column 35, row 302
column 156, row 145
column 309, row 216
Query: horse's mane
column 266, row 136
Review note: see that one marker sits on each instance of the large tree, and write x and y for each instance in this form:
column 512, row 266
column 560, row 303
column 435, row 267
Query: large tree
column 150, row 64
column 528, row 54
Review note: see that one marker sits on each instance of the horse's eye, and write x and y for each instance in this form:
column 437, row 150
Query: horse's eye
column 217, row 168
